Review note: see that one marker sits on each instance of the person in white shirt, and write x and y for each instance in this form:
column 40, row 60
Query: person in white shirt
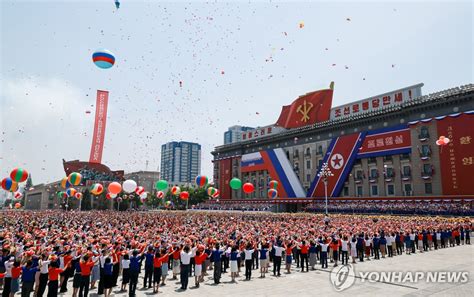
column 249, row 250
column 43, row 278
column 345, row 250
column 277, row 259
column 324, row 253
column 185, row 257
column 125, row 272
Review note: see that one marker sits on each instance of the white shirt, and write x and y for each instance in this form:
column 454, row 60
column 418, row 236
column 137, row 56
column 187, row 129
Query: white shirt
column 248, row 254
column 8, row 268
column 324, row 247
column 125, row 264
column 344, row 245
column 186, row 257
column 278, row 251
column 44, row 266
column 389, row 240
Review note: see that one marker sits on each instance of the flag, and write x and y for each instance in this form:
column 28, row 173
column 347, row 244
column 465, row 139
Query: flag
column 307, row 110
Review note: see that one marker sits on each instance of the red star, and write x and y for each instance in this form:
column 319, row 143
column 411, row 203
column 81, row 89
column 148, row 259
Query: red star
column 337, row 161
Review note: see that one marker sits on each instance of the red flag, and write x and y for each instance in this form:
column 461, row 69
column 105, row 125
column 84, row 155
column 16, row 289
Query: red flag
column 307, row 110
column 99, row 126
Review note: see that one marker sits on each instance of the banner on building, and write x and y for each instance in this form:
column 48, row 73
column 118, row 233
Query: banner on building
column 340, row 157
column 307, row 110
column 457, row 157
column 225, row 175
column 99, row 126
column 279, row 168
column 384, row 142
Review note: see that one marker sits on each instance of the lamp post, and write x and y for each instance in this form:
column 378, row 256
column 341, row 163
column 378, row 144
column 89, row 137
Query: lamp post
column 324, row 173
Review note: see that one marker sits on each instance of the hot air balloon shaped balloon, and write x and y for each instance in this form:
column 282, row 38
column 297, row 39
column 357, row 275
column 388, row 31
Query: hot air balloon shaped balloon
column 103, row 59
column 201, row 181
column 74, row 178
column 65, row 183
column 175, row 190
column 96, row 189
column 273, row 184
column 9, row 185
column 19, row 175
column 71, row 192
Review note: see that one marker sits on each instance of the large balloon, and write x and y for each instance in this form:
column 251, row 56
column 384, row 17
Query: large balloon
column 71, row 192
column 129, row 186
column 19, row 175
column 184, row 195
column 143, row 195
column 97, row 189
column 211, row 191
column 74, row 178
column 201, row 180
column 9, row 185
column 140, row 190
column 175, row 190
column 17, row 195
column 62, row 195
column 65, row 183
column 114, row 187
column 17, row 205
column 248, row 188
column 160, row 194
column 272, row 193
column 235, row 183
column 78, row 195
column 161, row 184
column 103, row 59
column 273, row 184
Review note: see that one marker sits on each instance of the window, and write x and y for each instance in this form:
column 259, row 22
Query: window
column 360, row 191
column 407, row 188
column 346, row 191
column 406, row 171
column 425, row 150
column 387, row 158
column 373, row 160
column 424, row 132
column 320, row 149
column 428, row 188
column 405, row 157
column 389, row 172
column 373, row 173
column 308, row 177
column 295, row 154
column 308, row 164
column 359, row 174
column 375, row 190
column 427, row 169
column 288, row 155
column 308, row 152
column 390, row 190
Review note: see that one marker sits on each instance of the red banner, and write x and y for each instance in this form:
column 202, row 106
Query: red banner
column 99, row 126
column 381, row 143
column 307, row 110
column 457, row 157
column 225, row 175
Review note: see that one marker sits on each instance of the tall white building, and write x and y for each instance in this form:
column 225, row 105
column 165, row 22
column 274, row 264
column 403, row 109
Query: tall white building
column 180, row 161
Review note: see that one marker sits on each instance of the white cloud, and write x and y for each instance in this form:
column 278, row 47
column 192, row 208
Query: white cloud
column 42, row 121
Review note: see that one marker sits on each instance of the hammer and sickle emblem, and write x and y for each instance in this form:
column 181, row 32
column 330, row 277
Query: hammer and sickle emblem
column 304, row 109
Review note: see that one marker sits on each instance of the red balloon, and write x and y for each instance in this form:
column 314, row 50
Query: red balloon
column 248, row 188
column 184, row 195
column 115, row 188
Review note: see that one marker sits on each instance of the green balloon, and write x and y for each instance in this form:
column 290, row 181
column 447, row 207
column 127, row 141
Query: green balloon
column 161, row 184
column 235, row 183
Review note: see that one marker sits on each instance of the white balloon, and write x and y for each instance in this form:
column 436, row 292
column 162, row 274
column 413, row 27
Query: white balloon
column 129, row 186
column 143, row 195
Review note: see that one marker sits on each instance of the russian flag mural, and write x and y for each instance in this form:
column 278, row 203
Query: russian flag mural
column 279, row 168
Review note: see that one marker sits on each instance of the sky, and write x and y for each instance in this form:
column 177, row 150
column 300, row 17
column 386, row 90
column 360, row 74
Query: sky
column 238, row 62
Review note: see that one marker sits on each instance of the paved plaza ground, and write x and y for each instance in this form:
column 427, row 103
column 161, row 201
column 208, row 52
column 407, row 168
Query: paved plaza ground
column 318, row 282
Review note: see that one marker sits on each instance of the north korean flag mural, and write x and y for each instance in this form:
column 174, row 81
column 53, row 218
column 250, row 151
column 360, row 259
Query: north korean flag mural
column 457, row 157
column 340, row 156
column 279, row 169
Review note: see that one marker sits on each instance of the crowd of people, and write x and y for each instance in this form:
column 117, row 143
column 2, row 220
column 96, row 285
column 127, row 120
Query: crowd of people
column 42, row 251
column 421, row 207
column 251, row 206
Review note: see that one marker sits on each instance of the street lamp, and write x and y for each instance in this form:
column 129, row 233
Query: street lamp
column 324, row 173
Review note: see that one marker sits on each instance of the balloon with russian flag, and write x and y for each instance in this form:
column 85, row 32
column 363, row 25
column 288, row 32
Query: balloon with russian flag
column 201, row 180
column 103, row 59
column 19, row 175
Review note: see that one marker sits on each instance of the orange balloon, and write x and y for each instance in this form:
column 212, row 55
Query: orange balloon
column 115, row 188
column 441, row 137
